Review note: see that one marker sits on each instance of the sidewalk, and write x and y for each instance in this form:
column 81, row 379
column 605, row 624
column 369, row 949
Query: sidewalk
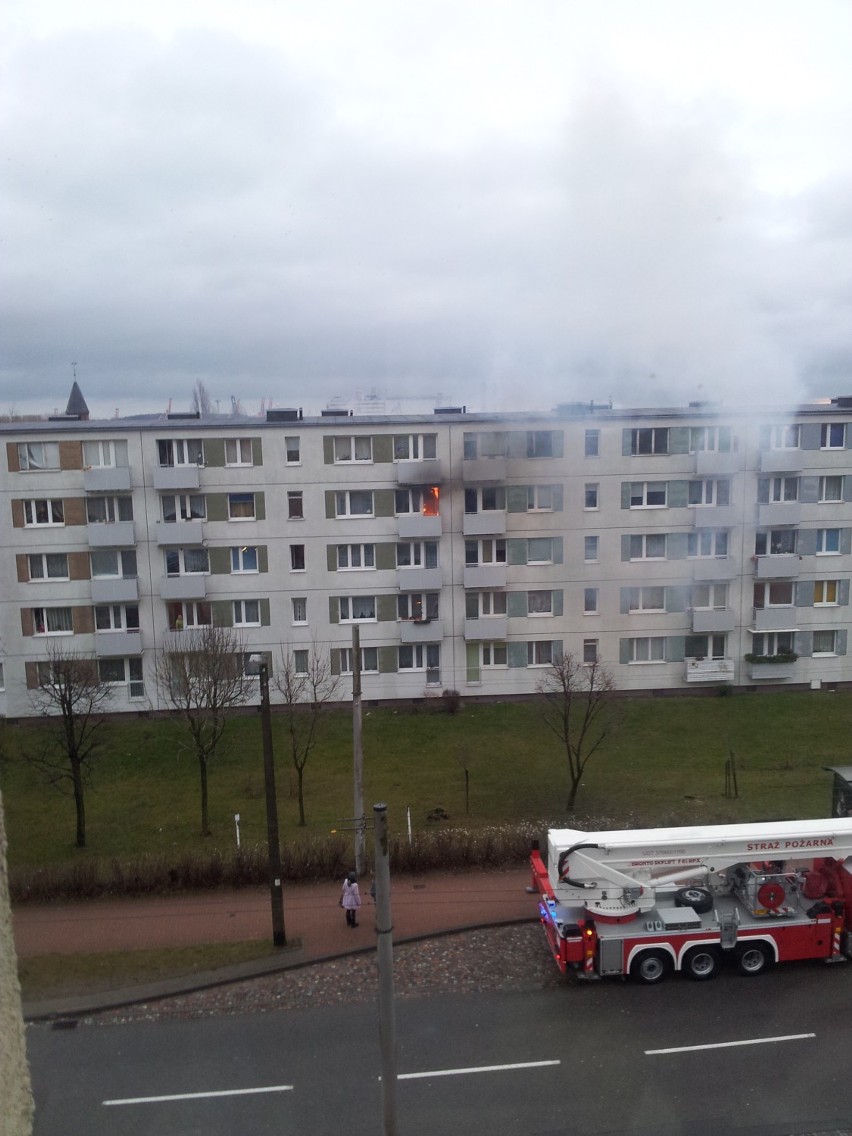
column 422, row 906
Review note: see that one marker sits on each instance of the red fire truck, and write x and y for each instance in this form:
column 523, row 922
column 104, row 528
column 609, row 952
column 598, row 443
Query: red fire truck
column 647, row 902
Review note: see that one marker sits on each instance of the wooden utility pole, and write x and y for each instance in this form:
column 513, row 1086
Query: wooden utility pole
column 384, row 946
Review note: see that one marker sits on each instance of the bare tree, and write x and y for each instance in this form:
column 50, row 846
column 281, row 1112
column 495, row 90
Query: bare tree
column 578, row 708
column 201, row 675
column 305, row 693
column 201, row 403
column 72, row 699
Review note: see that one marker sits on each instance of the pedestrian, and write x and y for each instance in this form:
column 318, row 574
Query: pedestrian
column 350, row 899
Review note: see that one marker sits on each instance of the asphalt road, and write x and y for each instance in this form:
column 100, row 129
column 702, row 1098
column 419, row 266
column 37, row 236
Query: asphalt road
column 734, row 1057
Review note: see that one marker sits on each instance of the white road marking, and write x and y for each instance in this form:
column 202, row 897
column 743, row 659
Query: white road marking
column 475, row 1069
column 201, row 1096
column 730, row 1044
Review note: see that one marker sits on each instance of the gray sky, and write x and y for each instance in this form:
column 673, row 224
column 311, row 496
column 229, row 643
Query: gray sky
column 505, row 203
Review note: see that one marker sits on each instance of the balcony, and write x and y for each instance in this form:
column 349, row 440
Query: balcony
column 107, row 479
column 416, row 526
column 484, row 576
column 713, row 620
column 176, row 476
column 780, row 567
column 113, row 644
column 780, row 461
column 115, row 589
column 775, row 619
column 478, row 470
column 120, row 534
column 711, row 569
column 779, row 513
column 427, row 472
column 771, row 671
column 714, row 517
column 418, row 579
column 709, row 463
column 421, row 631
column 709, row 670
column 190, row 587
column 489, row 628
column 490, row 522
column 175, row 533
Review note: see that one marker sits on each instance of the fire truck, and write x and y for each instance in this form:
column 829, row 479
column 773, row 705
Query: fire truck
column 645, row 903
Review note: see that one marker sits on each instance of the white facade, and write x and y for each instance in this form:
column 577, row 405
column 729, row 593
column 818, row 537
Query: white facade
column 678, row 545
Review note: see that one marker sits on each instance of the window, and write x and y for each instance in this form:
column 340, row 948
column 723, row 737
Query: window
column 825, row 643
column 292, row 451
column 43, row 512
column 540, row 498
column 417, row 606
column 648, row 546
column 108, row 510
column 241, row 507
column 117, row 617
column 101, row 455
column 540, row 550
column 353, row 449
column 184, row 615
column 246, row 613
column 353, row 609
column 486, row 499
column 300, row 662
column 775, row 542
column 369, row 660
column 2, row 678
column 417, row 554
column 239, row 451
column 779, row 437
column 415, row 447
column 773, row 593
column 712, row 438
column 705, row 646
column 590, row 495
column 34, row 456
column 295, row 509
column 540, row 603
column 180, row 451
column 48, row 566
column 186, row 561
column 183, row 507
column 649, row 440
column 539, row 654
column 774, row 489
column 121, row 671
column 825, row 593
column 416, row 500
column 244, row 558
column 590, row 601
column 709, row 597
column 773, row 643
column 590, row 549
column 353, row 503
column 355, row 557
column 52, row 621
column 591, row 652
column 828, row 542
column 709, row 492
column 540, row 444
column 469, row 450
column 592, row 443
column 484, row 552
column 493, row 655
column 421, row 657
column 647, row 494
column 481, row 605
column 650, row 598
column 300, row 609
column 297, row 558
column 832, row 436
column 647, row 649
column 831, row 488
column 707, row 544
column 113, row 563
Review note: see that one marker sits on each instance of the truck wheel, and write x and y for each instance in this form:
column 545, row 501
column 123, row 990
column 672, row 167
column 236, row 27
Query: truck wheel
column 753, row 959
column 699, row 899
column 651, row 967
column 702, row 963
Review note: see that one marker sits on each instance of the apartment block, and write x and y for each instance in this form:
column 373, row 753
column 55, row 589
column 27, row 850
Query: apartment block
column 686, row 548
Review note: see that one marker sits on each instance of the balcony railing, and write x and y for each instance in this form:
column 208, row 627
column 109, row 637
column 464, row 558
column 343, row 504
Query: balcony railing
column 709, row 670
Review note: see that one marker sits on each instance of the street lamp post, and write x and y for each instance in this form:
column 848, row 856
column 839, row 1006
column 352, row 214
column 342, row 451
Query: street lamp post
column 276, row 891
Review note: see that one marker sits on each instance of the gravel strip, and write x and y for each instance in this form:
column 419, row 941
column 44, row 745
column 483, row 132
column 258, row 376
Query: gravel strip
column 519, row 958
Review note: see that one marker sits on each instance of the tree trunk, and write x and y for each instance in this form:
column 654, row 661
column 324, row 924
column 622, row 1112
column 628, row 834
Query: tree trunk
column 79, row 802
column 16, row 1099
column 205, row 817
column 299, row 779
